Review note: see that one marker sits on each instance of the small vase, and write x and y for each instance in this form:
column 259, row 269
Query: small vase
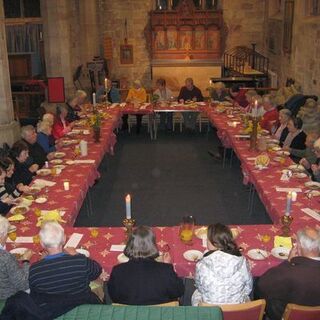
column 96, row 134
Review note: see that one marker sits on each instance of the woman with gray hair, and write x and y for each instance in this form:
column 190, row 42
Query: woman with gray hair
column 74, row 104
column 13, row 277
column 282, row 130
column 143, row 280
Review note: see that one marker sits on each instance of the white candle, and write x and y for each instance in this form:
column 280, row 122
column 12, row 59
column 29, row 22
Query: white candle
column 94, row 99
column 288, row 206
column 66, row 185
column 294, row 196
column 106, row 83
column 128, row 206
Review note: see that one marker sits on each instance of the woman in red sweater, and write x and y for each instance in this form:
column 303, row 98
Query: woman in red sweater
column 61, row 125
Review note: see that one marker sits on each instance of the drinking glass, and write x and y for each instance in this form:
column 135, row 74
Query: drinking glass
column 186, row 229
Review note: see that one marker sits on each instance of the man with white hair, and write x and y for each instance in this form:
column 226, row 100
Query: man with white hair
column 296, row 280
column 36, row 153
column 271, row 115
column 60, row 281
column 13, row 277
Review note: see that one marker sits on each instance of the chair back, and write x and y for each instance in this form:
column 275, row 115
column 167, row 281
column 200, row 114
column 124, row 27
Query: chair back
column 298, row 312
column 252, row 310
column 166, row 304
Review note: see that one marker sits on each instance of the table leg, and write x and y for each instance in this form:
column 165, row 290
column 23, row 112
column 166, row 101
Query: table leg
column 150, row 117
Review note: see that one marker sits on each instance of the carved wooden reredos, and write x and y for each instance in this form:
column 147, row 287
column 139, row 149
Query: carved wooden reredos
column 186, row 32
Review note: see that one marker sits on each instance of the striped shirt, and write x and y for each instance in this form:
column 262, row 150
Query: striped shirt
column 63, row 274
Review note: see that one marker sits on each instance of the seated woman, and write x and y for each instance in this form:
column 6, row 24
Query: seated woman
column 61, row 126
column 44, row 130
column 22, row 173
column 137, row 94
column 281, row 131
column 270, row 117
column 313, row 167
column 238, row 95
column 164, row 94
column 74, row 104
column 5, row 204
column 142, row 280
column 223, row 274
column 296, row 137
column 219, row 92
column 13, row 276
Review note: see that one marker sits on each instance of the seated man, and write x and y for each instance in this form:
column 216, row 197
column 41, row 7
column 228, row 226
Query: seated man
column 36, row 153
column 190, row 92
column 219, row 92
column 60, row 281
column 271, row 115
column 296, row 280
column 136, row 95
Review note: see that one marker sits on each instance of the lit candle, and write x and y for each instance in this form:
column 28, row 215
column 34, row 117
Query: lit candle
column 255, row 109
column 288, row 206
column 128, row 206
column 294, row 196
column 66, row 185
column 94, row 99
column 106, row 83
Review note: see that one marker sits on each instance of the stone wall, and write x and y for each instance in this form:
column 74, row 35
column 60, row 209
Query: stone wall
column 303, row 63
column 244, row 21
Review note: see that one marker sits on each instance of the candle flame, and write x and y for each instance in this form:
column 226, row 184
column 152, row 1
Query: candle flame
column 128, row 197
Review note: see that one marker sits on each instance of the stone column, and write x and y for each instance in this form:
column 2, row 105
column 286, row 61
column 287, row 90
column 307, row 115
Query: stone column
column 58, row 17
column 9, row 129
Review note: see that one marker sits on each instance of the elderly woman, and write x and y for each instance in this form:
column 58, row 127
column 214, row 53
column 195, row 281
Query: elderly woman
column 142, row 280
column 223, row 275
column 282, row 130
column 74, row 104
column 271, row 115
column 13, row 276
column 136, row 94
column 296, row 137
column 219, row 92
column 23, row 173
column 61, row 125
column 313, row 166
column 44, row 129
column 164, row 94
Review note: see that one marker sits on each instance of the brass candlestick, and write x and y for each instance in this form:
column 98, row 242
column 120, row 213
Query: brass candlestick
column 286, row 222
column 128, row 224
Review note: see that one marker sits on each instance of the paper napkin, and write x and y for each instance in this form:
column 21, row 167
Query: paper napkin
column 74, row 240
column 282, row 242
column 21, row 240
column 311, row 213
column 44, row 183
column 288, row 189
column 117, row 247
column 84, row 161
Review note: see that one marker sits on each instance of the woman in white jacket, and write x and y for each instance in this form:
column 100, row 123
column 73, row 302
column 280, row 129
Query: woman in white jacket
column 223, row 275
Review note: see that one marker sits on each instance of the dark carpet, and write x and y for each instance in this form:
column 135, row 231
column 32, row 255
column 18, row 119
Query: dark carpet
column 169, row 178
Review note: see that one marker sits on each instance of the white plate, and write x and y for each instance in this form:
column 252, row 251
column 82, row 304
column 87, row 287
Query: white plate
column 86, row 132
column 84, row 252
column 273, row 141
column 258, row 254
column 276, row 149
column 300, row 175
column 41, row 199
column 297, row 168
column 314, row 193
column 283, row 153
column 43, row 172
column 122, row 258
column 69, row 162
column 201, row 233
column 278, row 159
column 59, row 155
column 59, row 166
column 22, row 209
column 192, row 255
column 18, row 252
column 12, row 228
column 280, row 253
column 312, row 185
column 56, row 161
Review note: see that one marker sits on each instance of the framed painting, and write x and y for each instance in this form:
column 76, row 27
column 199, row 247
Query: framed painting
column 56, row 90
column 172, row 37
column 126, row 54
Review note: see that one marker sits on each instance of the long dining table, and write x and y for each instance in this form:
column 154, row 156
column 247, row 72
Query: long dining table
column 102, row 242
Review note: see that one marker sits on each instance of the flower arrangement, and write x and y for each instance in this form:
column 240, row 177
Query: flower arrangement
column 95, row 120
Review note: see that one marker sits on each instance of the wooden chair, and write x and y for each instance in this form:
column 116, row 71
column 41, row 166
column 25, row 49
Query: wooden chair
column 166, row 304
column 253, row 310
column 298, row 312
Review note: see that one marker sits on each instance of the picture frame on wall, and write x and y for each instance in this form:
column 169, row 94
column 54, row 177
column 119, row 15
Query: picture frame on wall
column 126, row 54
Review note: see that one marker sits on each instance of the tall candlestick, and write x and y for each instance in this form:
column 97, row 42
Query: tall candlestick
column 289, row 201
column 94, row 99
column 128, row 206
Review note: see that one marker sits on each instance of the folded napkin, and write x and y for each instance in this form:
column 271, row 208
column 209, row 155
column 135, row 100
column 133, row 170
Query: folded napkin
column 311, row 213
column 21, row 240
column 74, row 240
column 243, row 136
column 88, row 161
column 282, row 242
column 62, row 213
column 45, row 183
column 288, row 189
column 117, row 247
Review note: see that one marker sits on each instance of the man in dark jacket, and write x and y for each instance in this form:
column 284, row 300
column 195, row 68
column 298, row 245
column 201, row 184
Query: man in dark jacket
column 296, row 280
